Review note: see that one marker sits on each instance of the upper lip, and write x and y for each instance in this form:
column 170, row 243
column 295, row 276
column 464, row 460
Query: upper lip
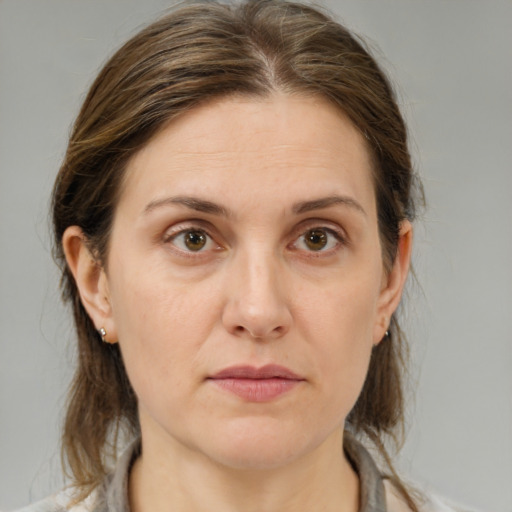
column 268, row 371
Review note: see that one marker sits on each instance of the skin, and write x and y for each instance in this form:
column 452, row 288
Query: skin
column 255, row 293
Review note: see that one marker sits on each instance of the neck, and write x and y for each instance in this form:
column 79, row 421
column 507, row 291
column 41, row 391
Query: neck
column 184, row 481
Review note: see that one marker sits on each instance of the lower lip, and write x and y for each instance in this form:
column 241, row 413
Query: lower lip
column 257, row 390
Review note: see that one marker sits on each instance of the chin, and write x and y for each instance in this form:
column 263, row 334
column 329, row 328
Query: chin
column 252, row 457
column 261, row 445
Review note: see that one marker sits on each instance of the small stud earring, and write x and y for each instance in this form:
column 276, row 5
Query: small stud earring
column 103, row 333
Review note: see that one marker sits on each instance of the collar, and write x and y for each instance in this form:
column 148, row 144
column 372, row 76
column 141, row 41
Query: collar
column 114, row 492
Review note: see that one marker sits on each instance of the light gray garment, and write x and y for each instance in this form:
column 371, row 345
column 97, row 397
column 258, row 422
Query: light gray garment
column 112, row 495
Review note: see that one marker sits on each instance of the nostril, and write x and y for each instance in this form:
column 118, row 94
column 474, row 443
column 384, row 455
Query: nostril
column 268, row 320
column 278, row 331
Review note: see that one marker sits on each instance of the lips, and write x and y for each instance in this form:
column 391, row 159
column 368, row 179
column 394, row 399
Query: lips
column 249, row 372
column 257, row 384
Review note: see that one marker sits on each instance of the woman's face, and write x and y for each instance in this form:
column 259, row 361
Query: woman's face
column 245, row 280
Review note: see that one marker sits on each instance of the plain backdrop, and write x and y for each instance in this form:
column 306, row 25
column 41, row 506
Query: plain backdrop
column 452, row 61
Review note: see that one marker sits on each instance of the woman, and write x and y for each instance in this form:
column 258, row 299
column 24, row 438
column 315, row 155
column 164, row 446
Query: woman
column 233, row 218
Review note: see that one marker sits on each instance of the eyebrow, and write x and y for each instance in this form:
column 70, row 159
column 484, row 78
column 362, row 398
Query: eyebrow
column 193, row 203
column 204, row 206
column 325, row 202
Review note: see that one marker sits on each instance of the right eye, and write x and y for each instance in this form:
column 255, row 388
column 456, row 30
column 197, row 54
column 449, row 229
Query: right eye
column 192, row 240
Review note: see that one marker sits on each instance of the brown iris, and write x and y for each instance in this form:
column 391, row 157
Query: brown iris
column 195, row 240
column 316, row 239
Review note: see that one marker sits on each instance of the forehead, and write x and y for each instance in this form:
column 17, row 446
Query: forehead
column 302, row 144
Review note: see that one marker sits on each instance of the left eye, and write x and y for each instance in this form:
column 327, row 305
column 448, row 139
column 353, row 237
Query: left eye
column 317, row 240
column 192, row 240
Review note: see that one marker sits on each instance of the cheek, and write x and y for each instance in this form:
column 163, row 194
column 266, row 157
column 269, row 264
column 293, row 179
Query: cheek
column 343, row 339
column 161, row 328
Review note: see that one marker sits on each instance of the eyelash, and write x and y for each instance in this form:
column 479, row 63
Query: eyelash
column 335, row 240
column 182, row 231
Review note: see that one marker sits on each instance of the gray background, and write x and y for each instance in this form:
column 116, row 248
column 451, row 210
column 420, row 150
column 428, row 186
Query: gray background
column 452, row 60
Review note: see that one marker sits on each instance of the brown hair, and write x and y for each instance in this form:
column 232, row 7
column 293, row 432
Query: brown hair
column 194, row 54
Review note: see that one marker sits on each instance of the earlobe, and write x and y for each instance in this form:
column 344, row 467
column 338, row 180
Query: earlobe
column 90, row 278
column 394, row 282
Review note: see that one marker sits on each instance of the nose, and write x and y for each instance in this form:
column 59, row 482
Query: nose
column 256, row 305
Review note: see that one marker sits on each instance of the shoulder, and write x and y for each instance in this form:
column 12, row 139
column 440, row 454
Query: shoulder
column 110, row 495
column 48, row 504
column 435, row 503
column 61, row 502
column 427, row 502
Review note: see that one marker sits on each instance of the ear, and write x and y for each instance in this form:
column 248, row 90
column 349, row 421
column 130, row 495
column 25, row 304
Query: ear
column 91, row 281
column 394, row 282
